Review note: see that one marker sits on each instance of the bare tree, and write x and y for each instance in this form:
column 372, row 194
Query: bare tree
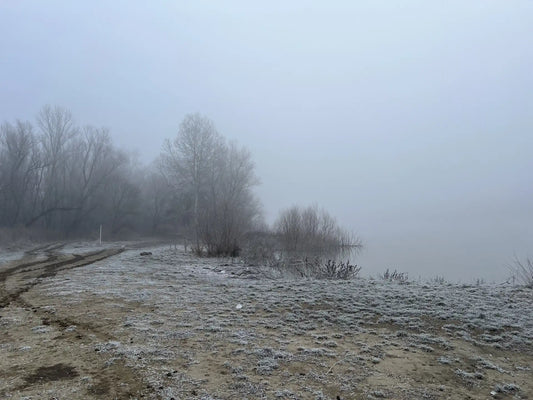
column 232, row 209
column 187, row 161
column 57, row 133
column 20, row 163
column 125, row 202
column 94, row 166
column 289, row 227
column 161, row 208
column 218, row 178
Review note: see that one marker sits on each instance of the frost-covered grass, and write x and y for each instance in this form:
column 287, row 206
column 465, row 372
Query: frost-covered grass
column 192, row 325
column 7, row 255
column 493, row 314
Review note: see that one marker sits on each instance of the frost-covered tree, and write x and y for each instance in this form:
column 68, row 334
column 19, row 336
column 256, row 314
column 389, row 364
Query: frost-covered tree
column 218, row 178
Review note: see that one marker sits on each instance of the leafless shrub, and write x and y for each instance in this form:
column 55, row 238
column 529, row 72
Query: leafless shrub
column 312, row 231
column 439, row 280
column 312, row 244
column 522, row 271
column 317, row 268
column 339, row 270
column 394, row 276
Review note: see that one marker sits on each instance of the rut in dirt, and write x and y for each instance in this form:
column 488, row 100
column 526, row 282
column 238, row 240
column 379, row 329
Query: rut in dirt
column 26, row 275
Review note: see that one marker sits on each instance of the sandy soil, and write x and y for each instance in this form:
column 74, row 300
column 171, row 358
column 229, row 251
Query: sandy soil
column 107, row 323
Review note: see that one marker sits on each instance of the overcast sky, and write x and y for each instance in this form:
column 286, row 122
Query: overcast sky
column 410, row 121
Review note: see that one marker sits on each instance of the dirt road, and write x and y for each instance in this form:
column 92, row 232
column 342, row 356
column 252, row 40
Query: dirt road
column 62, row 349
column 39, row 263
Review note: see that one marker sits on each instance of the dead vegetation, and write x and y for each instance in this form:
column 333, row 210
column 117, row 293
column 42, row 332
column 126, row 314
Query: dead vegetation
column 394, row 276
column 522, row 272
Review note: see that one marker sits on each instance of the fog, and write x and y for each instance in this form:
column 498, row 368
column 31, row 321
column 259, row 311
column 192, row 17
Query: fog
column 411, row 122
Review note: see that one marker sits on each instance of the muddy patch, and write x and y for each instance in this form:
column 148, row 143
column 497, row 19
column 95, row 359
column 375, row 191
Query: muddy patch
column 52, row 373
column 101, row 388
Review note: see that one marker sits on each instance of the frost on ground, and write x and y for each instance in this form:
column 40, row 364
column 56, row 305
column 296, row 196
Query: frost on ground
column 170, row 325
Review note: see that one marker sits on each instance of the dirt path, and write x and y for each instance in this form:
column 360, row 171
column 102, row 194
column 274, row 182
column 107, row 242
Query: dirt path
column 42, row 262
column 54, row 348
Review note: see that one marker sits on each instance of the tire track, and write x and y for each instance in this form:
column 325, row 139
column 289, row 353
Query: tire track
column 47, row 248
column 109, row 378
column 24, row 276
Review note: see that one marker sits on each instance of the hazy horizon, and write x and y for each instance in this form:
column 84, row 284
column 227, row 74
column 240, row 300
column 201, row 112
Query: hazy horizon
column 410, row 122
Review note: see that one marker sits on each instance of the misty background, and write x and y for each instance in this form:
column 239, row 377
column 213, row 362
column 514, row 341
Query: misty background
column 411, row 122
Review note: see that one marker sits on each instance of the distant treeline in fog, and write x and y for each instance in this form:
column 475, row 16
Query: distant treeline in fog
column 62, row 180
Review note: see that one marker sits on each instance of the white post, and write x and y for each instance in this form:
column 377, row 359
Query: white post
column 100, row 235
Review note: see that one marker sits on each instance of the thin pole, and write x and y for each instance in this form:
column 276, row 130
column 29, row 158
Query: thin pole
column 100, row 235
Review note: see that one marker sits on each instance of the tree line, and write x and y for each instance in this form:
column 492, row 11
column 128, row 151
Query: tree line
column 60, row 179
